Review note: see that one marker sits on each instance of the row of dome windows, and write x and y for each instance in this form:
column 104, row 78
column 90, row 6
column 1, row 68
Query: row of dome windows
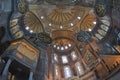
column 104, row 27
column 64, row 58
column 59, row 47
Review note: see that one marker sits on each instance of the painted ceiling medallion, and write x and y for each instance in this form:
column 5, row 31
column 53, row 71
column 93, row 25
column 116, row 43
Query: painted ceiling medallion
column 100, row 10
column 22, row 6
column 45, row 38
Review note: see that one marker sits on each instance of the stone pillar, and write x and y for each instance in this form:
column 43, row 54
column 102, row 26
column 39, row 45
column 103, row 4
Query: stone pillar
column 5, row 71
column 40, row 72
column 31, row 75
column 49, row 64
column 53, row 74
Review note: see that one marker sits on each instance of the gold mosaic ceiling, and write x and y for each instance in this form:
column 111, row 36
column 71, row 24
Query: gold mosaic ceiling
column 62, row 15
column 32, row 23
column 88, row 22
column 60, row 21
column 74, row 18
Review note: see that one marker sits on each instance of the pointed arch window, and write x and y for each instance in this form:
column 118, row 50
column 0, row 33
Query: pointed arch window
column 98, row 36
column 101, row 32
column 67, row 72
column 73, row 55
column 79, row 68
column 56, row 71
column 104, row 27
column 64, row 59
column 56, row 57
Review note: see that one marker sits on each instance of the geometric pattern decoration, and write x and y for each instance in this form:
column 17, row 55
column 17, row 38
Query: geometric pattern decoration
column 84, row 36
column 89, row 57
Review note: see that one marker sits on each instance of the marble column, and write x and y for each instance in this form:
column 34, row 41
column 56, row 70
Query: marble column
column 5, row 71
column 31, row 76
column 40, row 72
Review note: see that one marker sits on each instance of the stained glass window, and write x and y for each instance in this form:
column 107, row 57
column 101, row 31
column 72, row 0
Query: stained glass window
column 64, row 59
column 55, row 57
column 79, row 68
column 73, row 55
column 104, row 27
column 67, row 72
column 102, row 32
column 56, row 70
column 106, row 22
column 99, row 36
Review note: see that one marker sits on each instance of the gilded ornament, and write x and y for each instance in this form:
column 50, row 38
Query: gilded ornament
column 22, row 6
column 100, row 10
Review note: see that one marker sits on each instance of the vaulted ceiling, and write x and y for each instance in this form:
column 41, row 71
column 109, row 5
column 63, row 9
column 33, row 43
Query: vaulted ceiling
column 62, row 22
column 52, row 17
